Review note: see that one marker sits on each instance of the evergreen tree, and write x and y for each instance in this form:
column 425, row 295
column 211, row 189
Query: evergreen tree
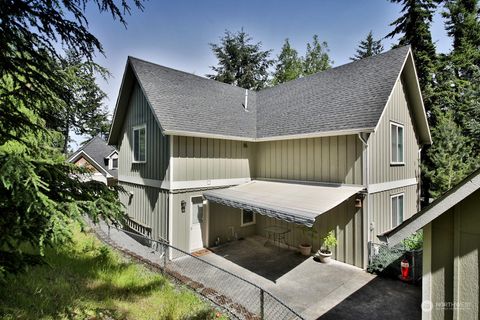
column 40, row 192
column 241, row 62
column 316, row 57
column 368, row 47
column 450, row 153
column 414, row 30
column 289, row 65
column 84, row 112
column 462, row 67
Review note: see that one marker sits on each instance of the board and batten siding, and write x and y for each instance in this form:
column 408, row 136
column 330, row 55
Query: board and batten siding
column 147, row 206
column 379, row 145
column 157, row 151
column 336, row 159
column 451, row 261
column 225, row 222
column 208, row 159
column 346, row 222
column 380, row 204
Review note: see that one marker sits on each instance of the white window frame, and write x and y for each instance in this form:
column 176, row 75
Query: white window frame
column 397, row 195
column 135, row 128
column 111, row 161
column 392, row 161
column 248, row 223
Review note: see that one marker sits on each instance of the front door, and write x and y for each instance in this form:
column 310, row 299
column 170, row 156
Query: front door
column 197, row 229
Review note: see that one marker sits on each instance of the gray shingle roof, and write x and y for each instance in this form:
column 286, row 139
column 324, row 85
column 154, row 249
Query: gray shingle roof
column 348, row 97
column 351, row 96
column 186, row 102
column 97, row 149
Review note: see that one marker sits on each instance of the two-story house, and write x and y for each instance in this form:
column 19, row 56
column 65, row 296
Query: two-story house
column 207, row 162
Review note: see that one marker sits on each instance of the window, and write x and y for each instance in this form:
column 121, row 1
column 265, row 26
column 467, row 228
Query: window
column 139, row 143
column 397, row 209
column 114, row 163
column 248, row 218
column 396, row 138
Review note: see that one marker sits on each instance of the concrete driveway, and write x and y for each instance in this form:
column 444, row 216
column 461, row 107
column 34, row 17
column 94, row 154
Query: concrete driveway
column 316, row 290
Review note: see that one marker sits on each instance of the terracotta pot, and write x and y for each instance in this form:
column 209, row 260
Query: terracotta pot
column 305, row 249
column 323, row 256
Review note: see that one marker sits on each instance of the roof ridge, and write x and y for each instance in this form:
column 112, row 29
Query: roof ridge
column 335, row 68
column 188, row 73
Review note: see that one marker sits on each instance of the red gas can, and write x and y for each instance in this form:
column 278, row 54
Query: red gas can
column 405, row 267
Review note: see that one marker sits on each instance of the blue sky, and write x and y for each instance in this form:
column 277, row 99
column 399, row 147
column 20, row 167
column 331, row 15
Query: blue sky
column 176, row 33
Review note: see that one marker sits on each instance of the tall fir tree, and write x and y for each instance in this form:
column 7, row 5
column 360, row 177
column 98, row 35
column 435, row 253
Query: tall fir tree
column 462, row 66
column 289, row 65
column 241, row 62
column 368, row 47
column 413, row 27
column 82, row 111
column 316, row 57
column 450, row 153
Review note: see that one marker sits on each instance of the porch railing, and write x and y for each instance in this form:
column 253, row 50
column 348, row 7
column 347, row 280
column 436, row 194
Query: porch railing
column 240, row 297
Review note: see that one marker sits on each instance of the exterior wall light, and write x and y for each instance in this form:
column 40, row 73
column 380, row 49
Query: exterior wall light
column 359, row 200
column 183, row 204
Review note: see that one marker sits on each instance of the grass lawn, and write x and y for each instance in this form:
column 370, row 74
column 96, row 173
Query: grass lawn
column 87, row 280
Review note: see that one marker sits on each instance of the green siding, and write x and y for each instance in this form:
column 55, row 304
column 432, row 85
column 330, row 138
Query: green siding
column 453, row 262
column 379, row 142
column 335, row 159
column 380, row 209
column 208, row 159
column 225, row 220
column 158, row 152
column 345, row 220
column 148, row 206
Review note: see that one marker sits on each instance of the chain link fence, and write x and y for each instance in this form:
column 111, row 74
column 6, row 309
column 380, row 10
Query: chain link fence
column 386, row 260
column 240, row 297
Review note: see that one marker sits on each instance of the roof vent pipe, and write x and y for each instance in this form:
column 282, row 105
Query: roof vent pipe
column 245, row 105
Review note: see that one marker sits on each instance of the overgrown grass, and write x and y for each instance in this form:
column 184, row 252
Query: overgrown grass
column 87, row 280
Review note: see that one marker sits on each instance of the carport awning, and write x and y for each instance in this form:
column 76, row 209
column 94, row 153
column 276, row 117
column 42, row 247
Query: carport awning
column 292, row 202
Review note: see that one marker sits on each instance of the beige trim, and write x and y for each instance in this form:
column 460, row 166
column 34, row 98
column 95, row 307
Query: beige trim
column 170, row 195
column 162, row 184
column 384, row 186
column 135, row 128
column 312, row 183
column 285, row 137
column 397, row 195
column 248, row 223
column 193, row 184
column 427, row 272
column 409, row 54
column 393, row 89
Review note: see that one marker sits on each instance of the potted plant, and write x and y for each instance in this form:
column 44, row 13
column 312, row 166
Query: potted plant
column 305, row 246
column 329, row 242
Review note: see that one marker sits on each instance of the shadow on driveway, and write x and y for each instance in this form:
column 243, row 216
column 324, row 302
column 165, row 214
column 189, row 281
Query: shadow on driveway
column 381, row 298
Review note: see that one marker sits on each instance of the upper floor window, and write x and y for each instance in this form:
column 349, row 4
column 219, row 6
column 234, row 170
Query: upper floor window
column 397, row 143
column 140, row 143
column 397, row 209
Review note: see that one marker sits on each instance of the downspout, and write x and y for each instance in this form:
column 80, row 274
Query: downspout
column 419, row 183
column 367, row 227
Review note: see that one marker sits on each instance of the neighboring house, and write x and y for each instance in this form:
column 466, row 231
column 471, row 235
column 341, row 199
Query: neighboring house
column 100, row 158
column 205, row 160
column 451, row 247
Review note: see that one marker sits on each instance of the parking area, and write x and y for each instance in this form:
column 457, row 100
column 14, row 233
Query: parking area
column 316, row 290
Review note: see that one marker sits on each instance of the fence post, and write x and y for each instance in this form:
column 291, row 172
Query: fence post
column 262, row 304
column 165, row 248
